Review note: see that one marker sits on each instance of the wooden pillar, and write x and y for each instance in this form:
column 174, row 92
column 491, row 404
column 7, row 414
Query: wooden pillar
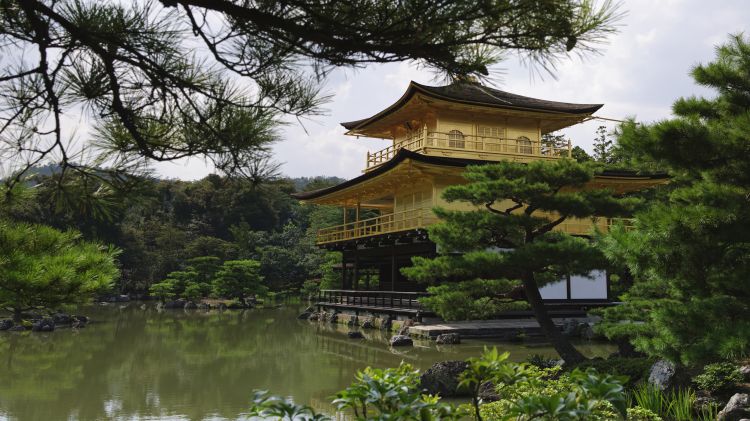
column 355, row 280
column 343, row 271
column 567, row 287
column 394, row 270
column 356, row 221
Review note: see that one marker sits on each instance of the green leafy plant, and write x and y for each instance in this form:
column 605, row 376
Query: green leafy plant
column 491, row 366
column 392, row 394
column 718, row 377
column 550, row 394
column 267, row 406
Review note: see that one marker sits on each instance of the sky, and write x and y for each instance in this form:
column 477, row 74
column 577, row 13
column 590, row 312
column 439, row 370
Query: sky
column 639, row 73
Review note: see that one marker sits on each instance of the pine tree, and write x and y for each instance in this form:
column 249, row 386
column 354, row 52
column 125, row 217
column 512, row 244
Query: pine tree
column 690, row 255
column 511, row 233
column 603, row 146
column 43, row 268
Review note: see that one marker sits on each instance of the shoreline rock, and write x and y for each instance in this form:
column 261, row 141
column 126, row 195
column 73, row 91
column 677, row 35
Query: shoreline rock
column 737, row 409
column 401, row 340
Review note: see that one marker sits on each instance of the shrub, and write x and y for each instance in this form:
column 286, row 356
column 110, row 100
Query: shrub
column 541, row 361
column 552, row 395
column 718, row 377
column 635, row 369
column 642, row 414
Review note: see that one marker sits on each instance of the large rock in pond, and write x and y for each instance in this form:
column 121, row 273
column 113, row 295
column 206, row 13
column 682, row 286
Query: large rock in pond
column 738, row 408
column 442, row 379
column 448, row 339
column 17, row 328
column 401, row 340
column 44, row 325
column 6, row 324
column 354, row 334
column 662, row 374
column 190, row 306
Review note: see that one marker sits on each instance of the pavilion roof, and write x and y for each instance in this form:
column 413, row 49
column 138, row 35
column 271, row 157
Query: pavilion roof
column 473, row 93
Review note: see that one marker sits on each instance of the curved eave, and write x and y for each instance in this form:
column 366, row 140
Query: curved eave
column 403, row 154
column 544, row 106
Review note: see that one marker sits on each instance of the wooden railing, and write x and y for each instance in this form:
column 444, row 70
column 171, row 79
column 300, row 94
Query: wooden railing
column 422, row 217
column 392, row 222
column 380, row 299
column 480, row 144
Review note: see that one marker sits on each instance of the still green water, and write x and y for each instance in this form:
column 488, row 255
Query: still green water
column 134, row 363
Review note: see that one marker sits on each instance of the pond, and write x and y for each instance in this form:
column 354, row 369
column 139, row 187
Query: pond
column 135, row 362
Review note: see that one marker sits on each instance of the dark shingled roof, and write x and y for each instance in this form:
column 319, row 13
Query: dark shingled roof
column 449, row 162
column 477, row 94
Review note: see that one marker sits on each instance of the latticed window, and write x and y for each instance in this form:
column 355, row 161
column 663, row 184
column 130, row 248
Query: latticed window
column 524, row 145
column 486, row 131
column 456, row 139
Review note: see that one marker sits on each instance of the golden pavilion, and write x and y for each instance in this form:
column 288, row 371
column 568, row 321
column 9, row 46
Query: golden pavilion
column 436, row 131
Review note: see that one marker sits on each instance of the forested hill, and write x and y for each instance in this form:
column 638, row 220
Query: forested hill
column 159, row 224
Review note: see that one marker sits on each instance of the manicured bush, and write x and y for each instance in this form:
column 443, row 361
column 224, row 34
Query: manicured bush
column 718, row 377
column 471, row 300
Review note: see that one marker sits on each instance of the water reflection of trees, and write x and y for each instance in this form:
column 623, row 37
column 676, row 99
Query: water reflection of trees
column 140, row 363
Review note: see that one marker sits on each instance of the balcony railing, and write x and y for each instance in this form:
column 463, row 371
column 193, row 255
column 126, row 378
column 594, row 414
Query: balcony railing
column 384, row 224
column 458, row 142
column 421, row 218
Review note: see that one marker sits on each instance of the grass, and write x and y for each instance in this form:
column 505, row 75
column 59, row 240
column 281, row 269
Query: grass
column 649, row 397
column 680, row 407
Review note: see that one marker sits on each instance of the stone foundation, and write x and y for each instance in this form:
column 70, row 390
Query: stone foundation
column 385, row 322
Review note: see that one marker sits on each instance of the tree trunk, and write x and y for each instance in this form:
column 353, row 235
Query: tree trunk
column 17, row 315
column 561, row 344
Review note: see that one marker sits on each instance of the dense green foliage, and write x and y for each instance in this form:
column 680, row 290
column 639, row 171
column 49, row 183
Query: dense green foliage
column 518, row 206
column 239, row 279
column 179, row 232
column 548, row 394
column 42, row 268
column 689, row 253
column 635, row 369
column 529, row 393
